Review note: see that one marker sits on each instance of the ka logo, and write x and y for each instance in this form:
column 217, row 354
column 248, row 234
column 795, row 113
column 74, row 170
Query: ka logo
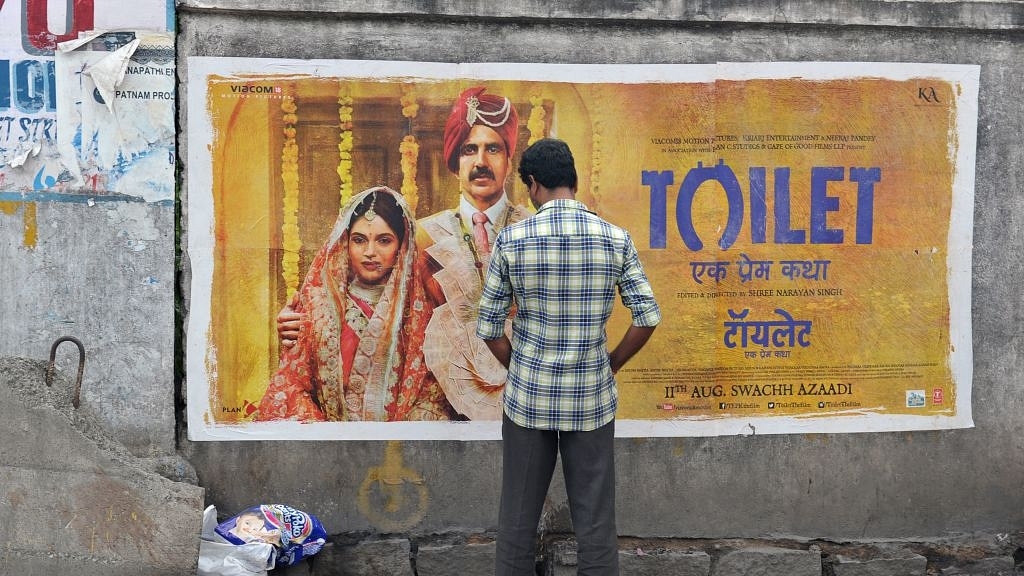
column 928, row 94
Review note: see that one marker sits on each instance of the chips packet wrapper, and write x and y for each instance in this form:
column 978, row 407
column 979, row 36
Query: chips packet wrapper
column 294, row 533
column 218, row 557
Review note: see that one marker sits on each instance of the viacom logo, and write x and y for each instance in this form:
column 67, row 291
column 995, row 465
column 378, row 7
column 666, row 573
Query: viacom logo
column 254, row 89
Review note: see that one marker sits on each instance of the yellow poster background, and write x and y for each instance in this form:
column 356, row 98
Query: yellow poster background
column 285, row 149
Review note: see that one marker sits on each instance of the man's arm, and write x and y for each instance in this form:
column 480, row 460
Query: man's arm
column 502, row 350
column 495, row 303
column 632, row 341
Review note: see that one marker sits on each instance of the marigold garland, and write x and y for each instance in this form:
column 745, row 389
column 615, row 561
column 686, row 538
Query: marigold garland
column 291, row 243
column 345, row 144
column 595, row 169
column 410, row 108
column 536, row 122
column 597, row 138
column 409, row 148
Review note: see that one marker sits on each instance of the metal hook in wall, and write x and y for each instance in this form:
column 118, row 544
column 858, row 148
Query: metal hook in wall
column 50, row 369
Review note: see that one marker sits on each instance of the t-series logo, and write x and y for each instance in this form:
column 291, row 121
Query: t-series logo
column 255, row 89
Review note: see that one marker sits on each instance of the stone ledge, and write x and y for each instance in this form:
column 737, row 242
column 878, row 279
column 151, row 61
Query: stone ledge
column 463, row 559
column 473, row 555
column 769, row 561
column 390, row 557
column 999, row 566
column 76, row 501
column 971, row 14
column 891, row 564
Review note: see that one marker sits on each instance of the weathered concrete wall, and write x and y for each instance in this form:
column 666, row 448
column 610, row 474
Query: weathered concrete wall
column 100, row 269
column 841, row 487
column 74, row 502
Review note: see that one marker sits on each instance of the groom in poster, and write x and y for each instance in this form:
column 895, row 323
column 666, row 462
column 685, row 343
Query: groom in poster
column 479, row 141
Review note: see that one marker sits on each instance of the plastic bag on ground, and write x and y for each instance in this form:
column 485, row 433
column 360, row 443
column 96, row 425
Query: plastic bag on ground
column 219, row 557
column 294, row 534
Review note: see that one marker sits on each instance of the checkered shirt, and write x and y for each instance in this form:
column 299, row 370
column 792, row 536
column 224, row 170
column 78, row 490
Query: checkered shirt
column 561, row 269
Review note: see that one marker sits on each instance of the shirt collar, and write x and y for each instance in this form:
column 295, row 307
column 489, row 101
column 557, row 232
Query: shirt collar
column 466, row 210
column 563, row 204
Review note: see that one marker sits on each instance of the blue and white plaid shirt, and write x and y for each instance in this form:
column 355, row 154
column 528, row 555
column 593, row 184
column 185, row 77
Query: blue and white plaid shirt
column 561, row 268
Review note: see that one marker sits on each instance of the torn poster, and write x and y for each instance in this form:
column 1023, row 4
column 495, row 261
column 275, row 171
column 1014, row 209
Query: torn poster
column 116, row 112
column 30, row 88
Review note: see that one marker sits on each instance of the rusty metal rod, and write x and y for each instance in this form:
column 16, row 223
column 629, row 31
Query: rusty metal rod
column 50, row 369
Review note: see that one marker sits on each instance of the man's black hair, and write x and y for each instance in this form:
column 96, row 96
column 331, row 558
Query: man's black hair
column 550, row 162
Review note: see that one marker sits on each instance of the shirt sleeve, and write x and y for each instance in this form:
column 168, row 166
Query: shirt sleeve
column 635, row 290
column 496, row 298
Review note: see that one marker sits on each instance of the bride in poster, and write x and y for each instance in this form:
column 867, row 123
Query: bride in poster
column 359, row 353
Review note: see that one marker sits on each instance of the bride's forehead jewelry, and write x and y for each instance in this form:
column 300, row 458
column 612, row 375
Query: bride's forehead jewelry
column 370, row 213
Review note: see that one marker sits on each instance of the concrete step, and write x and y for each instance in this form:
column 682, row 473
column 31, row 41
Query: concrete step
column 72, row 501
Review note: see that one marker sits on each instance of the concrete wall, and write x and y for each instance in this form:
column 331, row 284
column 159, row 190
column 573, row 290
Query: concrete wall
column 81, row 253
column 842, row 487
column 100, row 269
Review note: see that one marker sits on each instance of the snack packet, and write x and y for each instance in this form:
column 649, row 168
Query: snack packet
column 294, row 533
column 218, row 557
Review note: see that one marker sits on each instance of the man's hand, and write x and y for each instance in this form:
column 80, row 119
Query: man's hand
column 502, row 349
column 289, row 325
column 632, row 341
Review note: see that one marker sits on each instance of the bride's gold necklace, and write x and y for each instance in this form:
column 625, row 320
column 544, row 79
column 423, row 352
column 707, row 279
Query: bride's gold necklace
column 354, row 315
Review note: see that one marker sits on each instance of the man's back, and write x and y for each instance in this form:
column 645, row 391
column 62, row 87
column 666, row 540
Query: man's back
column 563, row 267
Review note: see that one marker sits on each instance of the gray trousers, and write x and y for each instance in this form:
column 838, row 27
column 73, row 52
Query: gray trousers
column 588, row 463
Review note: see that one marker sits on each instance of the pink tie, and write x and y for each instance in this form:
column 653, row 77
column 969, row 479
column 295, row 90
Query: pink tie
column 480, row 234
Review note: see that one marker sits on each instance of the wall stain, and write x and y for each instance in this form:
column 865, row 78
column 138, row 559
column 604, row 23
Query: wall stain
column 110, row 520
column 28, row 216
column 393, row 496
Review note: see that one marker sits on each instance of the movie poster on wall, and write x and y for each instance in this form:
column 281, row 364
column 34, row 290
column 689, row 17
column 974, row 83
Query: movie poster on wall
column 806, row 227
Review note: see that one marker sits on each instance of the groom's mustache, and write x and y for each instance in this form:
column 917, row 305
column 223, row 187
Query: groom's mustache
column 480, row 172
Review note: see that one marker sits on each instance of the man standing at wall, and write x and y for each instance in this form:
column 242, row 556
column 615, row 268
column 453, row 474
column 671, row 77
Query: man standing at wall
column 560, row 269
column 479, row 140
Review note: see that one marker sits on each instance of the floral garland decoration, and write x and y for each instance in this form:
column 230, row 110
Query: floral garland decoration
column 593, row 199
column 595, row 170
column 290, row 177
column 536, row 122
column 345, row 144
column 409, row 149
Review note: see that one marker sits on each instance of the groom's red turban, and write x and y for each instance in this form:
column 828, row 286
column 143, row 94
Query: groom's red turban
column 472, row 108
